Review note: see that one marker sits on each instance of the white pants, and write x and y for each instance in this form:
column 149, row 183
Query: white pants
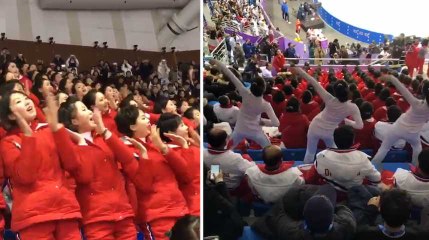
column 390, row 139
column 313, row 136
column 258, row 136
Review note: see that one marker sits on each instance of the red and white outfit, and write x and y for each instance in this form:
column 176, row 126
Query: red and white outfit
column 346, row 168
column 226, row 114
column 106, row 210
column 191, row 190
column 270, row 186
column 44, row 206
column 417, row 186
column 160, row 201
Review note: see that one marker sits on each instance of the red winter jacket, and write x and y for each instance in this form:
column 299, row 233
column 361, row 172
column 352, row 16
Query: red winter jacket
column 35, row 167
column 307, row 108
column 365, row 136
column 377, row 103
column 156, row 180
column 294, row 127
column 278, row 62
column 380, row 114
column 191, row 191
column 100, row 185
column 109, row 121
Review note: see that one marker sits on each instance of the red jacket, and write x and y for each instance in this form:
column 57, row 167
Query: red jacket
column 191, row 191
column 279, row 108
column 403, row 105
column 377, row 103
column 156, row 180
column 309, row 107
column 109, row 121
column 34, row 166
column 370, row 97
column 294, row 127
column 380, row 114
column 100, row 185
column 278, row 62
column 313, row 114
column 365, row 136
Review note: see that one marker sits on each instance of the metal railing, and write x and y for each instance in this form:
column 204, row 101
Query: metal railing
column 220, row 52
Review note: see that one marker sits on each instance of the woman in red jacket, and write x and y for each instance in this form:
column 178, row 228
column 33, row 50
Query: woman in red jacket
column 294, row 125
column 105, row 207
column 94, row 99
column 365, row 136
column 155, row 173
column 279, row 61
column 279, row 103
column 173, row 130
column 34, row 159
column 308, row 105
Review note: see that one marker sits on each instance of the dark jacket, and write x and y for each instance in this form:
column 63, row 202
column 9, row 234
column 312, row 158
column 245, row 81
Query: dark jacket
column 285, row 220
column 220, row 216
column 368, row 218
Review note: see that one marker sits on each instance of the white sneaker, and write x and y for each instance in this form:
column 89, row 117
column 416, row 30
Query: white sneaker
column 289, row 22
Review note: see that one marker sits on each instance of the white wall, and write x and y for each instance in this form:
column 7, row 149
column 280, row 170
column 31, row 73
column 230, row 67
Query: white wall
column 121, row 29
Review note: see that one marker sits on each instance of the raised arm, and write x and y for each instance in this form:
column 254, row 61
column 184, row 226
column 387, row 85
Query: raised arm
column 274, row 121
column 325, row 95
column 402, row 89
column 237, row 83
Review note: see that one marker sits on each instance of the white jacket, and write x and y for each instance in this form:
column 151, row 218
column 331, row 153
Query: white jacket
column 232, row 164
column 345, row 168
column 417, row 187
column 271, row 186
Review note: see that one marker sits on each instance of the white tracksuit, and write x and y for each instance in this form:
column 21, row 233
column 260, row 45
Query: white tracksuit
column 408, row 125
column 323, row 125
column 248, row 125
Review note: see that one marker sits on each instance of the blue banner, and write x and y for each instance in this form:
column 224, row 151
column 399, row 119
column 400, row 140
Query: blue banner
column 352, row 31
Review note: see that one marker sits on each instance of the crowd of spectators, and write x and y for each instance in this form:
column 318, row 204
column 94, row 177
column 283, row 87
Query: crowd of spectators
column 59, row 126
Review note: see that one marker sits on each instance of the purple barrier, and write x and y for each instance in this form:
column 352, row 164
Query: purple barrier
column 253, row 39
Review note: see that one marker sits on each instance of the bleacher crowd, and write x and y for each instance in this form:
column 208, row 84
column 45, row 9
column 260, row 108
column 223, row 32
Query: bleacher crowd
column 100, row 153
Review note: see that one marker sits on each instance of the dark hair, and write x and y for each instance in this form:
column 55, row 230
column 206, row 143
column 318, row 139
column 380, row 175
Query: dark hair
column 160, row 104
column 5, row 110
column 307, row 97
column 126, row 101
column 217, row 138
column 74, row 85
column 425, row 91
column 189, row 113
column 370, row 84
column 4, row 72
column 393, row 113
column 355, row 95
column 278, row 97
column 288, row 90
column 358, row 101
column 67, row 112
column 9, row 86
column 62, row 85
column 390, row 101
column 395, row 207
column 366, row 110
column 384, row 94
column 126, row 117
column 223, row 101
column 377, row 89
column 341, row 91
column 258, row 87
column 424, row 161
column 89, row 98
column 168, row 122
column 272, row 155
column 292, row 105
column 183, row 228
column 38, row 83
column 344, row 137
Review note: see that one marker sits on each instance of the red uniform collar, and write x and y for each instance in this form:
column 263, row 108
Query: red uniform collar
column 34, row 125
column 353, row 148
column 283, row 167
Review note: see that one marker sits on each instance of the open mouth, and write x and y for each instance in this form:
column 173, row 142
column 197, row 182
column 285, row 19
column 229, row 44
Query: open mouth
column 29, row 108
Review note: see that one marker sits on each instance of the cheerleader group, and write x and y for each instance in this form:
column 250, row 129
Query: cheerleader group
column 81, row 166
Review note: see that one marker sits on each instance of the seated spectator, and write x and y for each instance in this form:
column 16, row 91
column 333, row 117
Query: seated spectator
column 345, row 167
column 381, row 113
column 266, row 70
column 308, row 105
column 278, row 103
column 394, row 206
column 307, row 212
column 294, row 126
column 415, row 182
column 271, row 181
column 220, row 216
column 232, row 164
column 365, row 136
column 380, row 101
column 225, row 111
column 381, row 128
